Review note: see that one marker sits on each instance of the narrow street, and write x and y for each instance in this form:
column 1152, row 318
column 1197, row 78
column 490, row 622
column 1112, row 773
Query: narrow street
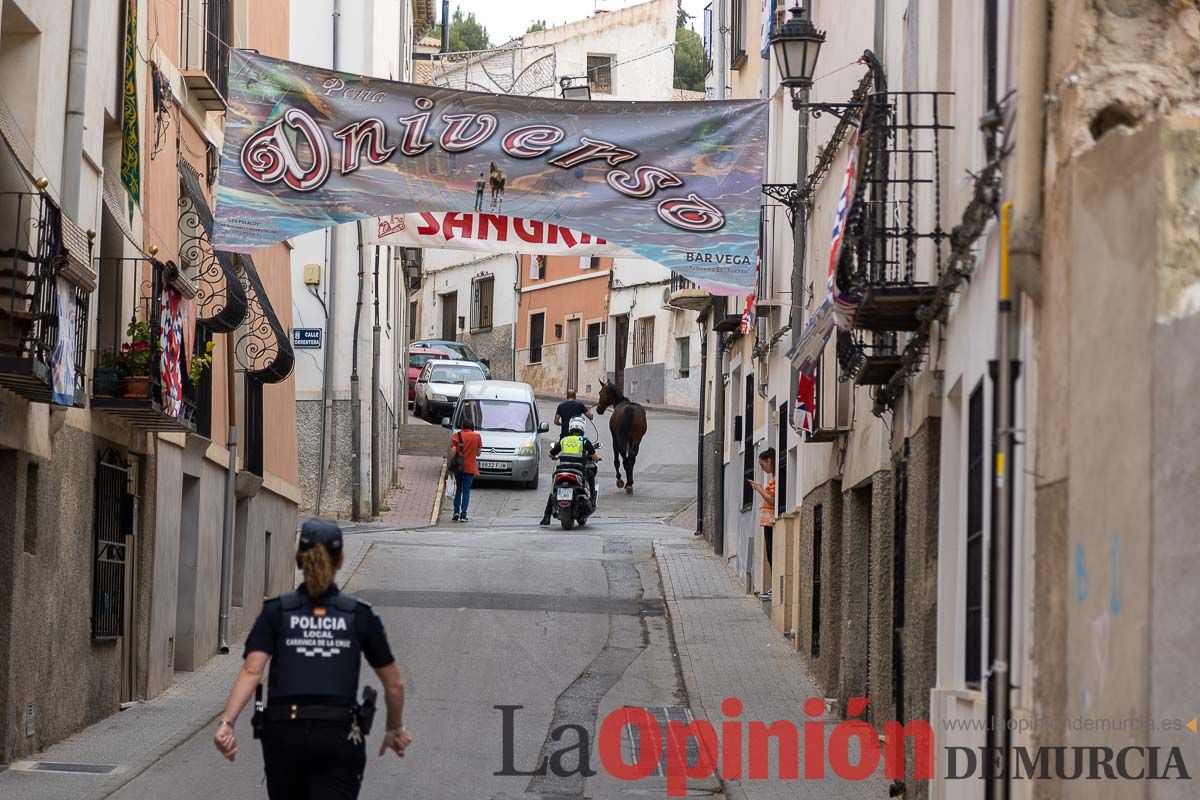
column 570, row 627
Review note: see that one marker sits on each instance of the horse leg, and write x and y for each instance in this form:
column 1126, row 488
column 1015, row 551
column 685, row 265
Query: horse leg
column 630, row 458
column 617, row 464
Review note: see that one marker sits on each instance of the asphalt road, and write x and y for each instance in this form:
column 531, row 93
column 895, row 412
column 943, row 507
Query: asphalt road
column 499, row 612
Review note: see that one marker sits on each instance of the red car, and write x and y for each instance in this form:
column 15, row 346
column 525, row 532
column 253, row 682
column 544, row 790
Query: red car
column 417, row 358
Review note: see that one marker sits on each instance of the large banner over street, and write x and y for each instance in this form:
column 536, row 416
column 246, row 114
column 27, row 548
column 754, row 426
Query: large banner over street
column 675, row 182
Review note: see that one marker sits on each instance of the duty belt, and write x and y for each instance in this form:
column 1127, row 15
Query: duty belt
column 313, row 713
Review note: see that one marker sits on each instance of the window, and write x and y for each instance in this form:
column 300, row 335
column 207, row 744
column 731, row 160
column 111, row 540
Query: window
column 974, row 582
column 481, row 303
column 818, row 522
column 593, row 340
column 254, row 424
column 537, row 330
column 781, row 461
column 113, row 515
column 594, row 262
column 537, row 268
column 452, row 373
column 204, row 30
column 683, row 353
column 600, row 74
column 202, row 391
column 991, row 47
column 513, row 416
column 737, row 34
column 643, row 341
column 412, row 320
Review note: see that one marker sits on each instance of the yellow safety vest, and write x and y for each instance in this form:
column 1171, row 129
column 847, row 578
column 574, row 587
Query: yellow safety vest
column 571, row 446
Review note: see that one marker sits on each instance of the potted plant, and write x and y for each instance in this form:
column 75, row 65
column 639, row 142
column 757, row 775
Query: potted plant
column 107, row 378
column 201, row 362
column 135, row 360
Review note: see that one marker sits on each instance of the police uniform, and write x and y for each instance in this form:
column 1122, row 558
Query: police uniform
column 312, row 746
column 577, row 448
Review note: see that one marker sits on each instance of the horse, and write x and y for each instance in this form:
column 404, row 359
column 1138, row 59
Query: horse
column 497, row 180
column 627, row 426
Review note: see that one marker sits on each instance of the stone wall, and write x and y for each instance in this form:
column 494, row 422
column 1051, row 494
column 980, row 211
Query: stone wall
column 47, row 655
column 337, row 495
column 826, row 664
column 496, row 345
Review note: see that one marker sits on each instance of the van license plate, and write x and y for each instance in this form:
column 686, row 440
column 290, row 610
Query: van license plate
column 566, row 494
column 493, row 465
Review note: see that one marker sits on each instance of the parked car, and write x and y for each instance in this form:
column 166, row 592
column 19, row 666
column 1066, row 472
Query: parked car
column 440, row 383
column 454, row 349
column 417, row 358
column 506, row 418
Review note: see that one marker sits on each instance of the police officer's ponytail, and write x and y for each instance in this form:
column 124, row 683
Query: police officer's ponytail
column 318, row 569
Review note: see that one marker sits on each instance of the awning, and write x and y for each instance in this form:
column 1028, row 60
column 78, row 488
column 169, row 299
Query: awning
column 221, row 300
column 265, row 349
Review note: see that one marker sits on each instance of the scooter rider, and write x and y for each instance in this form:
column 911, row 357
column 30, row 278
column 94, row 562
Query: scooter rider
column 575, row 445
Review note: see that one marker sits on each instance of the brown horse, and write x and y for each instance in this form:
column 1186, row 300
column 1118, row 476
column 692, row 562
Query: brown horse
column 497, row 180
column 627, row 425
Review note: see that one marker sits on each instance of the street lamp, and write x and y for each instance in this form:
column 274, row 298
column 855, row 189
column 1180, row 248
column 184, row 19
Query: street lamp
column 797, row 44
column 571, row 91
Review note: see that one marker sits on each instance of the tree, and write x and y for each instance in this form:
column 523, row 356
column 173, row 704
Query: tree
column 536, row 25
column 682, row 18
column 690, row 64
column 465, row 33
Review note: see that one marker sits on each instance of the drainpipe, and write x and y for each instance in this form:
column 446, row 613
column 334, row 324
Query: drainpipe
column 700, row 425
column 331, row 271
column 230, row 495
column 399, row 380
column 720, row 68
column 445, row 26
column 355, row 400
column 375, row 334
column 72, row 158
column 718, row 531
column 1026, row 241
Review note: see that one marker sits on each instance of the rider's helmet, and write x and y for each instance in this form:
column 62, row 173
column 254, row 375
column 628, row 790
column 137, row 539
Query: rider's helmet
column 575, row 426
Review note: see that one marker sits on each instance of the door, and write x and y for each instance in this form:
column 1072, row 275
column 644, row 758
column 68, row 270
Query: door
column 450, row 316
column 573, row 355
column 622, row 347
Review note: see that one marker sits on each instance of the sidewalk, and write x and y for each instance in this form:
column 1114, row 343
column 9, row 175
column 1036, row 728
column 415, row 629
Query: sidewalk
column 410, row 504
column 122, row 746
column 727, row 648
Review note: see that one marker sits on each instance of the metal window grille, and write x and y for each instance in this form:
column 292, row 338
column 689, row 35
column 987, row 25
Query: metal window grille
column 899, row 557
column 203, row 34
column 748, row 447
column 643, row 341
column 113, row 521
column 818, row 512
column 600, row 74
column 537, row 331
column 481, row 314
column 200, row 393
column 254, row 424
column 593, row 340
column 974, row 578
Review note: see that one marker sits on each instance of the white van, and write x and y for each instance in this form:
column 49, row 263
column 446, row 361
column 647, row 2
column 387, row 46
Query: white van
column 506, row 418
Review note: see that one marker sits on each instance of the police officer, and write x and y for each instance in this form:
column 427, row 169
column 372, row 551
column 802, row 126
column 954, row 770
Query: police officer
column 574, row 445
column 313, row 743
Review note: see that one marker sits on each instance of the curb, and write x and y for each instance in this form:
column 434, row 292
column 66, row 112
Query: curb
column 437, row 500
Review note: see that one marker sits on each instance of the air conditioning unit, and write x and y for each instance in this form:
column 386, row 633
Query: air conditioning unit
column 831, row 417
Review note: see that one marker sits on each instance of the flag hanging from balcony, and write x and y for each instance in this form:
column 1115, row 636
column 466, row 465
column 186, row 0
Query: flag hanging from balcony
column 62, row 360
column 306, row 148
column 748, row 316
column 171, row 349
column 845, row 308
column 806, row 402
column 131, row 158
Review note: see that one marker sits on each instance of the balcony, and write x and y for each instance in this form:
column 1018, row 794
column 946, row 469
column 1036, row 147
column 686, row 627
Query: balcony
column 134, row 380
column 895, row 226
column 43, row 313
column 205, row 56
column 682, row 293
column 868, row 359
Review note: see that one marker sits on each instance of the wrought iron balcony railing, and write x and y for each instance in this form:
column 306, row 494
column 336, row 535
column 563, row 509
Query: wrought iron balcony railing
column 43, row 316
column 142, row 378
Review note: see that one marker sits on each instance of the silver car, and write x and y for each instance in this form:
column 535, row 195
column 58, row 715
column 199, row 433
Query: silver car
column 506, row 418
column 440, row 383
